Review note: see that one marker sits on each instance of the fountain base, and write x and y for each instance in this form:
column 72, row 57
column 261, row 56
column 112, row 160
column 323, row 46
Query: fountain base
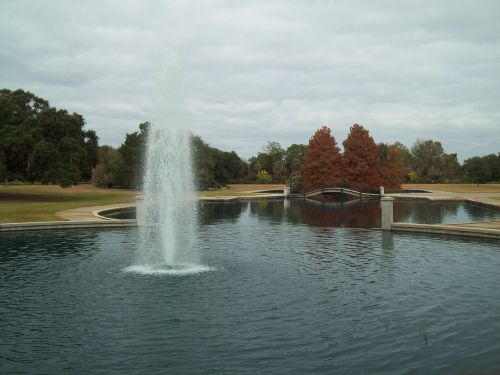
column 169, row 270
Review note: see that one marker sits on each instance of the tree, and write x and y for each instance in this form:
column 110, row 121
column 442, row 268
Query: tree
column 3, row 169
column 477, row 170
column 17, row 106
column 391, row 166
column 263, row 177
column 322, row 164
column 270, row 159
column 214, row 167
column 360, row 160
column 228, row 166
column 406, row 158
column 91, row 146
column 275, row 151
column 424, row 151
column 109, row 169
column 294, row 157
column 494, row 162
column 132, row 152
column 203, row 164
column 43, row 143
column 279, row 170
column 444, row 168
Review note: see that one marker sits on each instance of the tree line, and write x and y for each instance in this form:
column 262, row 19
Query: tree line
column 123, row 167
column 40, row 143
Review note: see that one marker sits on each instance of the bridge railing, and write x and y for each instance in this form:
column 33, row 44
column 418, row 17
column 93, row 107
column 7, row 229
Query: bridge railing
column 334, row 190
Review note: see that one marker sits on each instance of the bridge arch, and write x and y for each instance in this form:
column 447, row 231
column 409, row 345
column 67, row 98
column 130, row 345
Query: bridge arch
column 337, row 190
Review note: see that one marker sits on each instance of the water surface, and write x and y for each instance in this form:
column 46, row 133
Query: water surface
column 285, row 294
column 355, row 213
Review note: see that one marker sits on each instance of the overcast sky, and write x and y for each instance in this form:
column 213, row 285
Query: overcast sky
column 259, row 71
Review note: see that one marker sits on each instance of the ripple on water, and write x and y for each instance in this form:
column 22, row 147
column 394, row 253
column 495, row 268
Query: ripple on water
column 284, row 299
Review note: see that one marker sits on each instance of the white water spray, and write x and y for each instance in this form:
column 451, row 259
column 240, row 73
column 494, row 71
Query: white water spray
column 167, row 238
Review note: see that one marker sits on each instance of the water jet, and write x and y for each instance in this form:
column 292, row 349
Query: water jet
column 168, row 207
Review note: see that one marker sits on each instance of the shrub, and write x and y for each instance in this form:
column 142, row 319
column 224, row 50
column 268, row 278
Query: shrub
column 263, row 177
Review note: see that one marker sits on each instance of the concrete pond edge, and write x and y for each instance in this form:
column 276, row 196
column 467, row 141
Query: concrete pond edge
column 101, row 221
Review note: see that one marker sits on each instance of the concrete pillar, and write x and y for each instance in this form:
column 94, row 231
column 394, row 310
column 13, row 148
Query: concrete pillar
column 386, row 204
column 286, row 191
column 139, row 210
column 382, row 192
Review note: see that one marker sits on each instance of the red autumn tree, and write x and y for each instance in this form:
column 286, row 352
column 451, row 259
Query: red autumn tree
column 360, row 160
column 322, row 164
column 391, row 166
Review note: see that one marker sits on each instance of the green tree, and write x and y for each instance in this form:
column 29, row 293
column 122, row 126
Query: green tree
column 214, row 167
column 279, row 170
column 444, row 168
column 107, row 172
column 275, row 151
column 42, row 143
column 3, row 169
column 270, row 159
column 203, row 164
column 132, row 151
column 228, row 167
column 406, row 158
column 494, row 162
column 424, row 151
column 263, row 177
column 91, row 146
column 477, row 170
column 294, row 157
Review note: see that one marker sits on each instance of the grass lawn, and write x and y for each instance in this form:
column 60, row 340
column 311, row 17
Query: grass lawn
column 456, row 188
column 22, row 203
column 241, row 190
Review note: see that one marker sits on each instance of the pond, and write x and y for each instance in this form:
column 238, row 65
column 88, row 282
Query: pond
column 286, row 294
column 352, row 214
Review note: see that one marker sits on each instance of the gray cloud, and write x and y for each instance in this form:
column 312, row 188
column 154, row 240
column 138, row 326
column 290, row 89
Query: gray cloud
column 259, row 71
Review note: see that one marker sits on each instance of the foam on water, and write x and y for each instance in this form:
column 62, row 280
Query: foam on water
column 177, row 270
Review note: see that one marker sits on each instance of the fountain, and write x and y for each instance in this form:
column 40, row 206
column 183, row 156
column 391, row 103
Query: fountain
column 167, row 242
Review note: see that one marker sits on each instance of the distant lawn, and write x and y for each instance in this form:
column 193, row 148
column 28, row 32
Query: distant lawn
column 241, row 190
column 456, row 188
column 22, row 203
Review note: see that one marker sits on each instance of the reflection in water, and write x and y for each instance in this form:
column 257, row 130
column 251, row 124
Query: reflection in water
column 272, row 210
column 480, row 213
column 366, row 213
column 387, row 241
column 350, row 214
column 425, row 212
column 214, row 212
column 388, row 251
